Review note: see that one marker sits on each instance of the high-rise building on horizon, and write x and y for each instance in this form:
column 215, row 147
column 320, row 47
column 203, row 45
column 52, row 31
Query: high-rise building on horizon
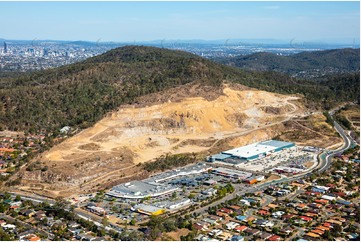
column 5, row 47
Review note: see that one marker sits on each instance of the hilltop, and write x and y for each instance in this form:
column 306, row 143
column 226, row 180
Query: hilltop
column 80, row 94
column 309, row 64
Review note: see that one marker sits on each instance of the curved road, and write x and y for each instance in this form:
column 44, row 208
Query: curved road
column 326, row 158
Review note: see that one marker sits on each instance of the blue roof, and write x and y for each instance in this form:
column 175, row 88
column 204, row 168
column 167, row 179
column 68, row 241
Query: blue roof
column 315, row 189
column 241, row 217
column 236, row 238
column 343, row 202
column 277, row 143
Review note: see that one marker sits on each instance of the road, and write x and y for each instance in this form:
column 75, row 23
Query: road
column 326, row 157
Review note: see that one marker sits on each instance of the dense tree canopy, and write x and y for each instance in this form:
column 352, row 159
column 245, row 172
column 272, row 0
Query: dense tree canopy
column 80, row 94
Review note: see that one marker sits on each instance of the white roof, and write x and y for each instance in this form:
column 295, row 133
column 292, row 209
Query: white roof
column 257, row 148
column 328, row 197
column 250, row 150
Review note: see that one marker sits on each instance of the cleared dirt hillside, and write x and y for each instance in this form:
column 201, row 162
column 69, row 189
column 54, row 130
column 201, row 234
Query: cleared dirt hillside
column 113, row 147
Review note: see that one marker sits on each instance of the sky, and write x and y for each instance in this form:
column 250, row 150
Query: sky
column 143, row 21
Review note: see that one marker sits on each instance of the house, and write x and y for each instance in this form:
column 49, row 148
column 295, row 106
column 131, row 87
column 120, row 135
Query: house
column 277, row 214
column 28, row 236
column 260, row 222
column 216, row 218
column 31, row 221
column 99, row 239
column 343, row 202
column 264, row 236
column 269, row 224
column 282, row 192
column 305, row 218
column 332, row 221
column 312, row 194
column 27, row 212
column 73, row 225
column 271, row 205
column 223, row 215
column 210, row 221
column 317, row 231
column 200, row 226
column 8, row 201
column 235, row 207
column 322, row 201
column 201, row 237
column 9, row 226
column 241, row 217
column 252, row 231
column 313, row 235
column 31, row 237
column 209, row 192
column 240, row 228
column 301, row 206
column 327, row 225
column 354, row 237
column 231, row 225
column 327, row 197
column 40, row 215
column 309, row 214
column 249, row 219
column 287, row 217
column 274, row 238
column 85, row 237
column 245, row 202
column 15, row 207
column 315, row 189
column 339, row 194
column 224, row 236
column 342, row 220
column 215, row 232
column 226, row 210
column 286, row 231
column 18, row 203
column 74, row 231
column 263, row 212
column 237, row 238
column 349, row 211
column 315, row 205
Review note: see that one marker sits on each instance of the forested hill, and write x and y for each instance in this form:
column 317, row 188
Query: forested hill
column 80, row 94
column 308, row 64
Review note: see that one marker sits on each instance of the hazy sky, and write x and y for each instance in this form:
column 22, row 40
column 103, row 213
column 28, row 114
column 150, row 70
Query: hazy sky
column 136, row 21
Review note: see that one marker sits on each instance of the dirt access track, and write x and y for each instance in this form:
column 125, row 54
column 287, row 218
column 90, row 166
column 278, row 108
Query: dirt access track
column 112, row 148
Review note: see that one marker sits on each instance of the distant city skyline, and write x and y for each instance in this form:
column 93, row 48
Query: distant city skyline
column 147, row 21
